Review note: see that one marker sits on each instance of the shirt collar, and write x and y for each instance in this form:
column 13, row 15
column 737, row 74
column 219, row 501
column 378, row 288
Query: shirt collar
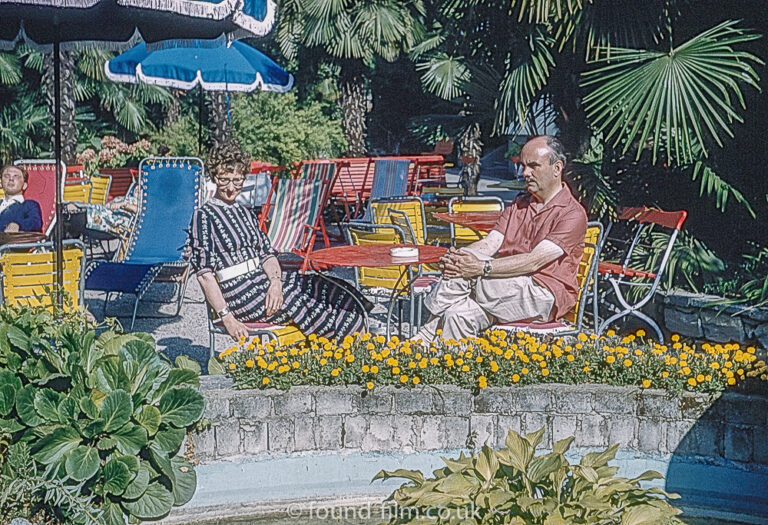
column 15, row 198
column 218, row 202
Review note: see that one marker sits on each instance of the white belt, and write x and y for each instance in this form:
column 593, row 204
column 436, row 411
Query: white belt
column 238, row 269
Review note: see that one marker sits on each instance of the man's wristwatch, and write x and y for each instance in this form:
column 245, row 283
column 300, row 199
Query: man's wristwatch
column 487, row 268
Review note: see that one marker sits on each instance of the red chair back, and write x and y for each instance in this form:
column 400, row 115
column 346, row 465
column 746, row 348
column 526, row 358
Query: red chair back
column 41, row 187
column 122, row 178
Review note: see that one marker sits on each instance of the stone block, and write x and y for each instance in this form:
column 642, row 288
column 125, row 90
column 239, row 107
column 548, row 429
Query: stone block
column 406, row 431
column 591, row 432
column 533, row 421
column 254, row 438
column 621, row 430
column 571, row 400
column 484, row 428
column 721, row 327
column 694, row 405
column 414, row 401
column 495, row 401
column 216, row 406
column 334, row 402
column 658, row 404
column 293, row 402
column 503, row 425
column 251, row 406
column 706, row 439
column 680, row 440
column 454, row 431
column 684, row 323
column 761, row 335
column 303, row 433
column 614, row 400
column 375, row 402
column 651, row 436
column 453, row 403
column 760, row 449
column 353, row 431
column 205, row 443
column 379, row 435
column 744, row 410
column 227, row 438
column 429, row 437
column 532, row 399
column 280, row 436
column 738, row 443
column 563, row 427
column 328, row 432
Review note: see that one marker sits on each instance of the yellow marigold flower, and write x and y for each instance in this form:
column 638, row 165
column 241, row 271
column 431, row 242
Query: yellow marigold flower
column 380, row 339
column 544, row 372
column 579, row 346
column 271, row 366
column 665, row 374
column 423, row 363
column 691, row 381
column 415, row 380
column 707, row 378
column 295, row 364
column 675, row 338
column 482, row 382
column 610, row 359
column 586, row 369
column 366, row 369
column 700, row 378
column 646, row 383
column 524, row 371
column 433, row 361
column 265, row 381
column 395, row 370
column 459, row 361
column 570, row 357
column 638, row 352
column 515, row 378
column 731, row 381
column 627, row 363
column 686, row 370
column 323, row 361
column 369, row 385
column 374, row 369
column 403, row 378
column 350, row 358
column 465, row 368
column 249, row 363
column 232, row 366
column 494, row 366
column 610, row 333
column 582, row 337
column 543, row 364
column 366, row 337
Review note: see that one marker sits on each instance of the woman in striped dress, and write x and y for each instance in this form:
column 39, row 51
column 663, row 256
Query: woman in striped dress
column 241, row 278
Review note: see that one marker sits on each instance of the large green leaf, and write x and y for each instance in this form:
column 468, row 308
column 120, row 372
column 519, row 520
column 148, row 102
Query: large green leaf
column 117, row 475
column 149, row 418
column 25, row 407
column 55, row 445
column 186, row 481
column 130, row 439
column 154, row 503
column 181, row 407
column 47, row 403
column 138, row 484
column 9, row 378
column 674, row 99
column 7, row 399
column 168, row 440
column 82, row 463
column 116, row 410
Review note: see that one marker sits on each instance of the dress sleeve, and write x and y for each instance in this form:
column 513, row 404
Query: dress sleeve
column 264, row 246
column 202, row 257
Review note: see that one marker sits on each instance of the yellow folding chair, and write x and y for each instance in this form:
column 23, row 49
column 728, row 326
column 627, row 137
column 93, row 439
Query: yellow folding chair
column 29, row 274
column 462, row 235
column 77, row 192
column 411, row 207
column 100, row 185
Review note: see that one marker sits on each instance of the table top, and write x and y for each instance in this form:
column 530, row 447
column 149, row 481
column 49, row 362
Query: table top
column 373, row 255
column 478, row 220
column 19, row 237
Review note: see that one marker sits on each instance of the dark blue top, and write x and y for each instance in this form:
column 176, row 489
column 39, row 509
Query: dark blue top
column 26, row 214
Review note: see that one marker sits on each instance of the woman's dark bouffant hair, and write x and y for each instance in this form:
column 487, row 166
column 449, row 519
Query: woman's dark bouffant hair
column 229, row 157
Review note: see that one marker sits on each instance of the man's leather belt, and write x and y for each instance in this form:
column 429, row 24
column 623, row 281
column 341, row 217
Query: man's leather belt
column 238, row 269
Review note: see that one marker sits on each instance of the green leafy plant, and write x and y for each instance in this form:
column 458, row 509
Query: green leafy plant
column 105, row 413
column 513, row 485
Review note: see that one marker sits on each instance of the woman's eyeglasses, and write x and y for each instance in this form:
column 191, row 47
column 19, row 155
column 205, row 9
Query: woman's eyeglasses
column 237, row 182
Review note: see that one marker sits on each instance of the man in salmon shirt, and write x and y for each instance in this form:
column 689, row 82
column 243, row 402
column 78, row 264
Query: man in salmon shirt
column 525, row 268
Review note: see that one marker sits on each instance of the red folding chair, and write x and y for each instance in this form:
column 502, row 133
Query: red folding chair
column 41, row 187
column 654, row 237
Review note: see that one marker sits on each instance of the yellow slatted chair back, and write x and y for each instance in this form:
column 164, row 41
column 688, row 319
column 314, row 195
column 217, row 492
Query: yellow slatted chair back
column 583, row 277
column 29, row 279
column 384, row 276
column 461, row 235
column 413, row 209
column 100, row 188
column 80, row 192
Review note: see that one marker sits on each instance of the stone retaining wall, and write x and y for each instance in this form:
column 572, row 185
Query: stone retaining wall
column 314, row 419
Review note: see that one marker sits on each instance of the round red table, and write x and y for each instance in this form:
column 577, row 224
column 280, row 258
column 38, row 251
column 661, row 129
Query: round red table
column 477, row 220
column 373, row 255
column 20, row 237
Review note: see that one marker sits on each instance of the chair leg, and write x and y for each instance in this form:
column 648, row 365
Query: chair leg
column 135, row 308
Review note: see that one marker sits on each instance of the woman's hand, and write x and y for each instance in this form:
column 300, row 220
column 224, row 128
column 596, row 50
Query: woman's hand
column 234, row 328
column 274, row 299
column 115, row 205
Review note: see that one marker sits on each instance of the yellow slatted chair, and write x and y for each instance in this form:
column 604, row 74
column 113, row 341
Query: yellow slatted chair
column 462, row 235
column 29, row 278
column 77, row 192
column 412, row 207
column 100, row 189
column 573, row 321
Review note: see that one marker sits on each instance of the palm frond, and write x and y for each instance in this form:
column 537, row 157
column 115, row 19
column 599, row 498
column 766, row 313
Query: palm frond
column 444, row 75
column 427, row 45
column 594, row 189
column 713, row 185
column 543, row 11
column 672, row 99
column 10, row 71
column 31, row 57
column 91, row 62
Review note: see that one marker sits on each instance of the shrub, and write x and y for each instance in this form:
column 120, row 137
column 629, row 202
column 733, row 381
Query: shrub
column 180, row 137
column 512, row 485
column 106, row 414
column 498, row 359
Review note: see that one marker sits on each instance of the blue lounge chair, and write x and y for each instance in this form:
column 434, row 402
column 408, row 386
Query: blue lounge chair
column 390, row 179
column 170, row 191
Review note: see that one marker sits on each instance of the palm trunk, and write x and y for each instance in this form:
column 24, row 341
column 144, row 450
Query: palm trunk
column 220, row 127
column 68, row 125
column 470, row 145
column 354, row 108
column 173, row 113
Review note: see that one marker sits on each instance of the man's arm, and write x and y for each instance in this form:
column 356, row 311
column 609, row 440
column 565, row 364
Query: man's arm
column 25, row 217
column 466, row 265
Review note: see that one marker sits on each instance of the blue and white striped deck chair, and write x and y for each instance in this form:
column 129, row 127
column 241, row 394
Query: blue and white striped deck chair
column 390, row 179
column 170, row 191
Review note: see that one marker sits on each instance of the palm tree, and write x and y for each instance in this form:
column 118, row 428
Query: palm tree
column 354, row 34
column 67, row 94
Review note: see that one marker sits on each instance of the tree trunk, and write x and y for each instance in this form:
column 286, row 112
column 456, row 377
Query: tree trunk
column 173, row 113
column 354, row 108
column 470, row 145
column 68, row 126
column 220, row 127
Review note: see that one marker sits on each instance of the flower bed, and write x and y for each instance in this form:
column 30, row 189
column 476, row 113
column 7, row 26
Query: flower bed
column 498, row 359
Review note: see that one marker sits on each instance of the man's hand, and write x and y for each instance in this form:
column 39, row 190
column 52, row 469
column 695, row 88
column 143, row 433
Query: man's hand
column 461, row 264
column 12, row 227
column 274, row 299
column 234, row 328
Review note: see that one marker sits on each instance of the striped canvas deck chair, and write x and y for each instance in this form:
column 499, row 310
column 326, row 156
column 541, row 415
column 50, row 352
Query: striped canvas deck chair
column 29, row 279
column 170, row 191
column 295, row 213
column 41, row 187
column 390, row 179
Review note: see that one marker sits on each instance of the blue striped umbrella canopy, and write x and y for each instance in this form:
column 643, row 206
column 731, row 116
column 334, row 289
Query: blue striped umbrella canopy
column 223, row 67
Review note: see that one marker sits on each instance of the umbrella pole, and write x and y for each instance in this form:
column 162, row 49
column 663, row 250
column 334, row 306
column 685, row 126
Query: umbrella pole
column 59, row 227
column 200, row 121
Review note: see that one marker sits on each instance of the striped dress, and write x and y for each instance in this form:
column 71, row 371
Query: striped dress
column 222, row 235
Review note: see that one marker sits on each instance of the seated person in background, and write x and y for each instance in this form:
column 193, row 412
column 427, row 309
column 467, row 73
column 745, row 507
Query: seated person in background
column 17, row 214
column 525, row 269
column 116, row 217
column 239, row 272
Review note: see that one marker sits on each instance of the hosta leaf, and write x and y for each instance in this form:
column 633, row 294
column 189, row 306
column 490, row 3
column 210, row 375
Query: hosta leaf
column 117, row 475
column 215, row 368
column 168, row 440
column 648, row 475
column 542, row 466
column 138, row 485
column 181, row 407
column 185, row 482
column 68, row 410
column 82, row 463
column 599, row 459
column 562, row 446
column 46, row 404
column 7, row 399
column 10, row 426
column 130, row 439
column 534, row 438
column 642, row 515
column 154, row 503
column 116, row 410
column 18, row 338
column 413, row 475
column 53, row 446
column 149, row 418
column 9, row 378
column 178, row 377
column 487, row 464
column 456, row 484
column 520, row 451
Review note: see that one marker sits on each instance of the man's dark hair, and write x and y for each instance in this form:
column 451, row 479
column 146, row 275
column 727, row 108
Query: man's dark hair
column 22, row 170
